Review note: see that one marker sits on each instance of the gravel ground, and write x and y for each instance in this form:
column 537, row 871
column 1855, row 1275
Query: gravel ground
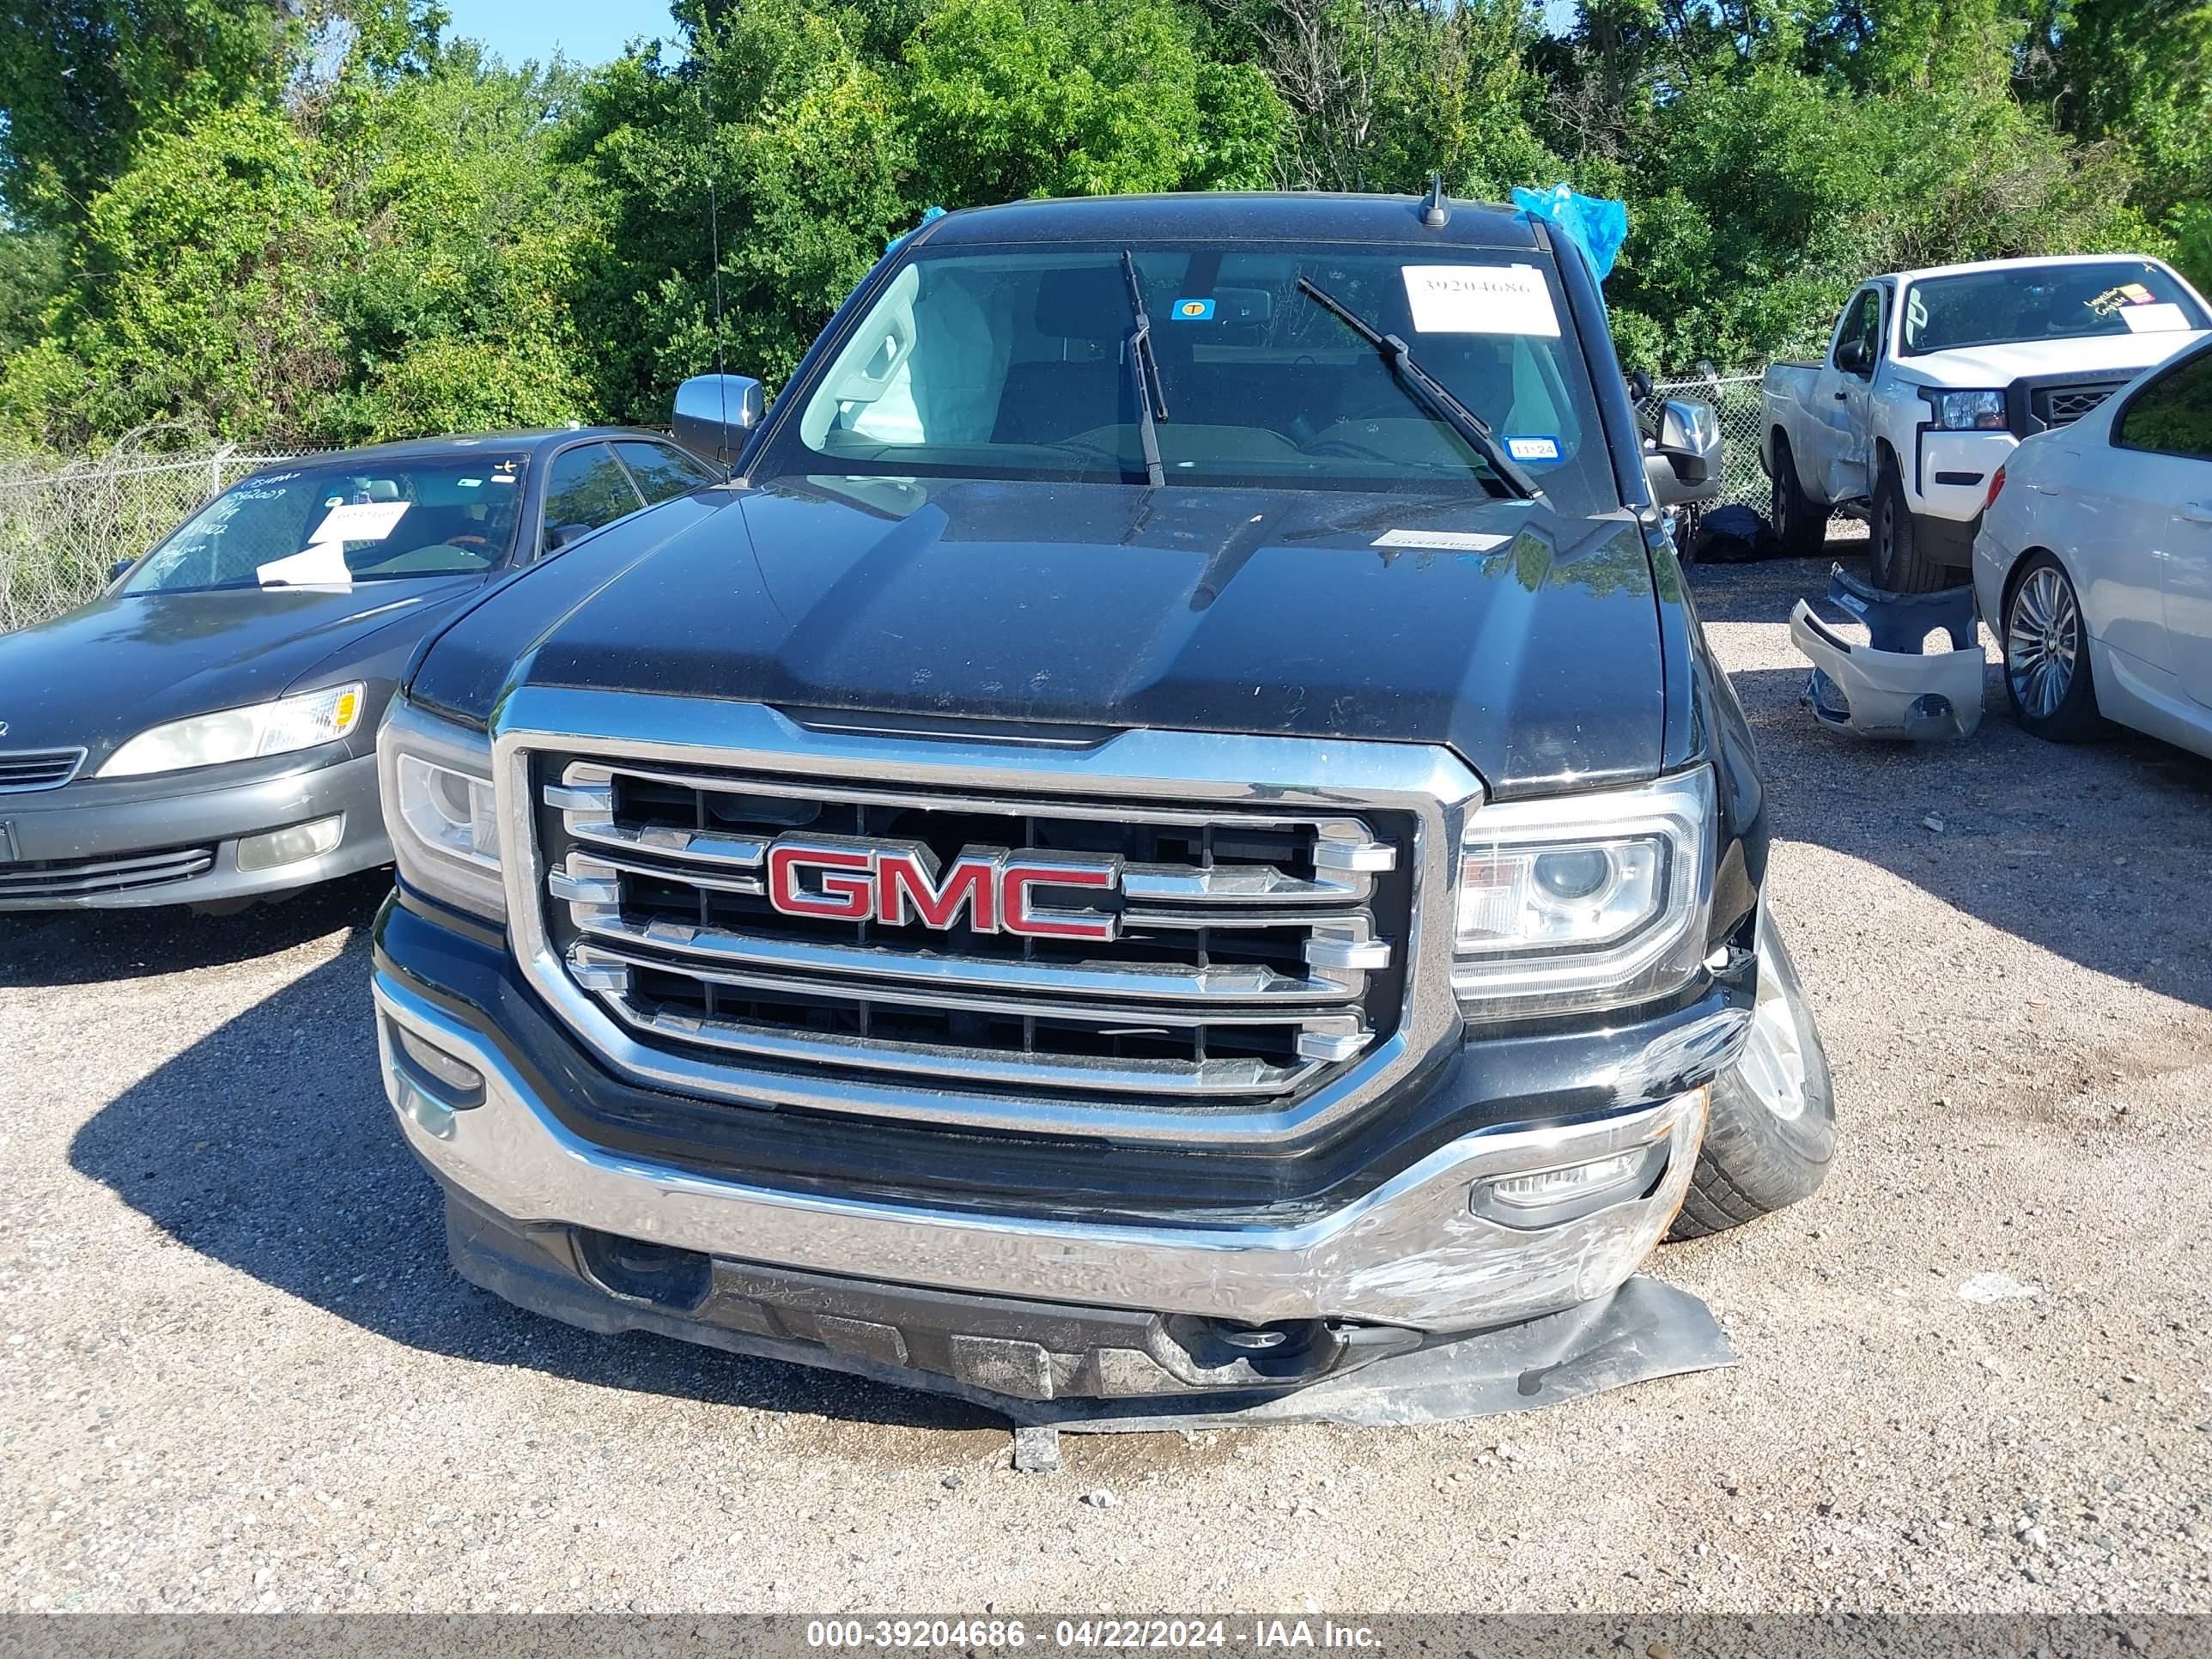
column 237, row 1373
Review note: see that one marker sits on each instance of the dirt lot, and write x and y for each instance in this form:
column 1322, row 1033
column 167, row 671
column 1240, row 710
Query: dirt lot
column 237, row 1373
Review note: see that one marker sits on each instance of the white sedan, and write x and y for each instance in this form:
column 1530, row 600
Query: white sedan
column 2093, row 564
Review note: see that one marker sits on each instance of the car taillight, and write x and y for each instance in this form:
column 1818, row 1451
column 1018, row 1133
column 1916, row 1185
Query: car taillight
column 1995, row 485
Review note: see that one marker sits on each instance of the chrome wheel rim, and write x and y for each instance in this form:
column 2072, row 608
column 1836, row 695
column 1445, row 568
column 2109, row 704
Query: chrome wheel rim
column 2042, row 639
column 1773, row 1063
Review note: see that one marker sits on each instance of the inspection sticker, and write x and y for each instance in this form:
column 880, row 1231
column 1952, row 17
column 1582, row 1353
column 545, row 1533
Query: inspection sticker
column 1481, row 299
column 1533, row 448
column 1449, row 541
column 1194, row 310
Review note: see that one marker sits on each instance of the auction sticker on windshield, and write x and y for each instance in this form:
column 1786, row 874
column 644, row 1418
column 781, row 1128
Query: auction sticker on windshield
column 360, row 521
column 1481, row 299
column 2153, row 318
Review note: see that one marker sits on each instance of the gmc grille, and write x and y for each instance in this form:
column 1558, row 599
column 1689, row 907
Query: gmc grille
column 1258, row 955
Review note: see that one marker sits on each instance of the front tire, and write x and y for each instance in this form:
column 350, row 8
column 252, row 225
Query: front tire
column 2047, row 654
column 1801, row 524
column 1901, row 563
column 1771, row 1131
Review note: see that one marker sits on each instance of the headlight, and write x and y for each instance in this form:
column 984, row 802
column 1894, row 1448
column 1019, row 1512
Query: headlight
column 1968, row 412
column 1584, row 901
column 236, row 734
column 440, row 808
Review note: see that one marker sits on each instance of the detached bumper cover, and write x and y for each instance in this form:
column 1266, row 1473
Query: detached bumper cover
column 1412, row 1253
column 1887, row 686
column 110, row 845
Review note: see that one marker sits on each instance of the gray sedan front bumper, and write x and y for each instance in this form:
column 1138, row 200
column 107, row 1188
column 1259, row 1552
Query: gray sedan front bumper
column 96, row 845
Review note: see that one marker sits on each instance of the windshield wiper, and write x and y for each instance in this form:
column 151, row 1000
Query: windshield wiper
column 1429, row 390
column 1152, row 404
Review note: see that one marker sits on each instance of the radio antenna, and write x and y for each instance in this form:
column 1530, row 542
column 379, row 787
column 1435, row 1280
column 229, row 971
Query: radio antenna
column 715, row 241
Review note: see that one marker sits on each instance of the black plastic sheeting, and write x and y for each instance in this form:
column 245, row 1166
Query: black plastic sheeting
column 1645, row 1329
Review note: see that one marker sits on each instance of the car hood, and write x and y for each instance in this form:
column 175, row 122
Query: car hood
column 1527, row 640
column 98, row 674
column 2001, row 365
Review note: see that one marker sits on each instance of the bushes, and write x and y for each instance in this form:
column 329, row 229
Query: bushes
column 324, row 224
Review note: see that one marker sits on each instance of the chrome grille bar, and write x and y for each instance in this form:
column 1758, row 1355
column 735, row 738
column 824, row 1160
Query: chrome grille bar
column 1219, row 982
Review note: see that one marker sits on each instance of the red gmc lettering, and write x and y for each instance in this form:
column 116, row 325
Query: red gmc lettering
column 848, row 882
column 898, row 883
column 908, row 878
column 1018, row 916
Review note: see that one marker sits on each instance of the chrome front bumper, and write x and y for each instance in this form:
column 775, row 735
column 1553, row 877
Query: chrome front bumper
column 1410, row 1252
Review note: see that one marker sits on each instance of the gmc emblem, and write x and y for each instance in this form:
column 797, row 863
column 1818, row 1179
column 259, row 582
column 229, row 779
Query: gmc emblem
column 898, row 881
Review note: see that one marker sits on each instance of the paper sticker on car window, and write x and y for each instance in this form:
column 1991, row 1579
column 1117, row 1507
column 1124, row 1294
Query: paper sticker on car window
column 322, row 565
column 1533, row 448
column 360, row 521
column 2153, row 318
column 1481, row 299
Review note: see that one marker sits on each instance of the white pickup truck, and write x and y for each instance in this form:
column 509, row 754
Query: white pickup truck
column 1933, row 376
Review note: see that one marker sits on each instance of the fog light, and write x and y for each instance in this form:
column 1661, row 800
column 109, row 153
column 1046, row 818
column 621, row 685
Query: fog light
column 282, row 847
column 463, row 1084
column 1552, row 1198
column 1531, row 1192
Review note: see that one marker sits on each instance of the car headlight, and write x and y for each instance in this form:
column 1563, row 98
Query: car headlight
column 1968, row 412
column 1581, row 902
column 234, row 735
column 440, row 808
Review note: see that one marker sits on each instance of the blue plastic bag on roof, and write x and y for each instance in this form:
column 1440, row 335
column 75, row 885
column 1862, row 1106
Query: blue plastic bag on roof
column 929, row 216
column 1596, row 224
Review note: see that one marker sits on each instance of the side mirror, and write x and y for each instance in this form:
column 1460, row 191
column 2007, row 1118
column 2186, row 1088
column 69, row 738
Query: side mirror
column 1640, row 386
column 115, row 571
column 1684, row 462
column 1852, row 357
column 561, row 534
column 716, row 413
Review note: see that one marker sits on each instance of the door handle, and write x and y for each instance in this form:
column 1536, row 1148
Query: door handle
column 2197, row 512
column 1842, row 395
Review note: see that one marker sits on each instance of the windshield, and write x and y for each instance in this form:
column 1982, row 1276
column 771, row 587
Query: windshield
column 336, row 524
column 2024, row 303
column 1015, row 364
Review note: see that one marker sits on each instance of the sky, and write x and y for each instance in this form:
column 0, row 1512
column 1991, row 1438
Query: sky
column 585, row 32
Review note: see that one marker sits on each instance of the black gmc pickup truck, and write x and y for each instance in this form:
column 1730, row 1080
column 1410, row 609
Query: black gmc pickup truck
column 1171, row 831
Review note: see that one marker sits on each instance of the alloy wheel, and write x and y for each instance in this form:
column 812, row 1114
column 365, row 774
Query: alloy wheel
column 2043, row 638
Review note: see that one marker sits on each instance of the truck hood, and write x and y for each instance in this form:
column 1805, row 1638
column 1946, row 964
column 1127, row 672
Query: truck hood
column 1527, row 640
column 106, row 672
column 2001, row 365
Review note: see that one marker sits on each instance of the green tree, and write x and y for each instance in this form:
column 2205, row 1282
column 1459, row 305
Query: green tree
column 198, row 294
column 1004, row 99
column 81, row 80
column 457, row 314
column 33, row 272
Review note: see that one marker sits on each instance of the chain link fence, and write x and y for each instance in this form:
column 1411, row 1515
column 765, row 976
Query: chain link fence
column 1736, row 399
column 61, row 532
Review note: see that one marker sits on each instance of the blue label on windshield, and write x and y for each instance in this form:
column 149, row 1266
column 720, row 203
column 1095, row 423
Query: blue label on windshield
column 1533, row 449
column 1194, row 310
